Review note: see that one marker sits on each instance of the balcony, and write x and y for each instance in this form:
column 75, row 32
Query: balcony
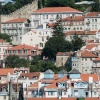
column 36, row 19
column 87, row 29
column 51, row 19
column 88, row 22
column 11, row 28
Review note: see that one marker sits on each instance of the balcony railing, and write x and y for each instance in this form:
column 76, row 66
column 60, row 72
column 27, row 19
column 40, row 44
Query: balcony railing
column 36, row 19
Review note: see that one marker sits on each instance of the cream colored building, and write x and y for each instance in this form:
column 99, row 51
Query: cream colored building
column 85, row 35
column 47, row 15
column 16, row 28
column 63, row 59
column 92, row 21
column 73, row 23
column 37, row 37
column 83, row 61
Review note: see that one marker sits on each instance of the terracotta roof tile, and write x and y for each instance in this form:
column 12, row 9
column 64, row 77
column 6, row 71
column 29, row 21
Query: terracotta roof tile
column 51, row 98
column 30, row 75
column 87, row 54
column 85, row 77
column 67, row 98
column 92, row 14
column 20, row 20
column 20, row 47
column 76, row 18
column 90, row 46
column 56, row 9
column 1, row 40
column 63, row 53
column 96, row 59
column 5, row 71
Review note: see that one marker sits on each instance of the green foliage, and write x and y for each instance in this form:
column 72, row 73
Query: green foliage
column 96, row 7
column 77, row 42
column 54, row 45
column 58, row 27
column 13, row 61
column 5, row 37
column 38, row 65
column 60, row 3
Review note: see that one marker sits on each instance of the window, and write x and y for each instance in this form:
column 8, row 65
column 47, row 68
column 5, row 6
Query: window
column 43, row 16
column 42, row 39
column 64, row 92
column 51, row 93
column 16, row 38
column 85, row 59
column 4, row 97
column 46, row 16
column 31, row 39
column 92, row 20
column 95, row 26
column 20, row 37
column 95, row 20
column 95, row 93
column 41, row 44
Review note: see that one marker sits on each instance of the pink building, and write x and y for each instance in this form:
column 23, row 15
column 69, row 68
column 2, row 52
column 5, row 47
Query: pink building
column 23, row 51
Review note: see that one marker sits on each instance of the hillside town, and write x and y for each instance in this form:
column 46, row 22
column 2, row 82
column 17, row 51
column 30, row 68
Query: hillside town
column 70, row 71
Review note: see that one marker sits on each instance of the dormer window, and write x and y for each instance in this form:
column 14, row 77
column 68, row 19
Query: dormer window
column 4, row 89
column 23, row 77
column 25, row 71
column 35, row 77
column 16, row 71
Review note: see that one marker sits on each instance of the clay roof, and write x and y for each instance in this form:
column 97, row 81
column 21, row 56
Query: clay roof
column 20, row 20
column 80, row 33
column 56, row 9
column 96, row 60
column 25, row 47
column 85, row 77
column 90, row 46
column 51, row 98
column 76, row 18
column 63, row 54
column 5, row 71
column 87, row 54
column 67, row 98
column 91, row 14
column 1, row 40
column 30, row 75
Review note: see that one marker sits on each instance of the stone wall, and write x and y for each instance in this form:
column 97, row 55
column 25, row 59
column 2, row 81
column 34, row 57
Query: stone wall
column 23, row 12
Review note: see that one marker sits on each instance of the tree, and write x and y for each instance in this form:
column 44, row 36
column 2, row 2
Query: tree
column 5, row 37
column 77, row 42
column 54, row 45
column 13, row 61
column 58, row 28
column 96, row 7
column 60, row 3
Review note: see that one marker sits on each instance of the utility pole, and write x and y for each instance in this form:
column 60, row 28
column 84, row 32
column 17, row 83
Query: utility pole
column 9, row 85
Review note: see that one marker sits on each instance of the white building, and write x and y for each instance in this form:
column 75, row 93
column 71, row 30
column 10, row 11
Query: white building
column 3, row 46
column 92, row 21
column 16, row 28
column 46, row 15
column 37, row 37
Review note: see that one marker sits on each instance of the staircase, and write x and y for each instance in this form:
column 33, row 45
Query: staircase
column 23, row 12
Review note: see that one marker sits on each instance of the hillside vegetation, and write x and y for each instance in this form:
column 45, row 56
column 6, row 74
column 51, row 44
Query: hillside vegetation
column 16, row 4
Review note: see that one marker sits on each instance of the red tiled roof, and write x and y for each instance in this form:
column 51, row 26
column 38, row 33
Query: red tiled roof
column 85, row 77
column 1, row 40
column 56, row 9
column 5, row 71
column 30, row 75
column 63, row 53
column 73, row 32
column 20, row 20
column 90, row 46
column 96, row 59
column 92, row 14
column 51, row 98
column 88, row 55
column 76, row 18
column 80, row 33
column 20, row 47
